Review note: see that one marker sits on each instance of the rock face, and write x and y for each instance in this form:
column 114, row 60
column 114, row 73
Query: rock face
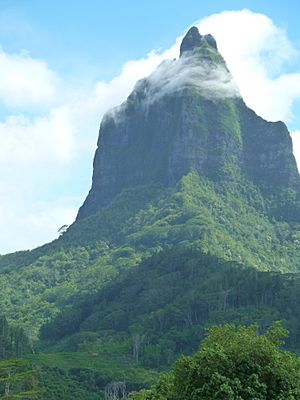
column 194, row 40
column 188, row 114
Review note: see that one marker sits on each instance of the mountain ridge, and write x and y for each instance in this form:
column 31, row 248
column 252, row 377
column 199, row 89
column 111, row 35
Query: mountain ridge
column 188, row 114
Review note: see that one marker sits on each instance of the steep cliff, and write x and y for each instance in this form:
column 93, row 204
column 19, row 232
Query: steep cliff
column 188, row 115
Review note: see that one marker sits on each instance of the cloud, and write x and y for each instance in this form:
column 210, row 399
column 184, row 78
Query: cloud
column 48, row 136
column 27, row 141
column 26, row 82
column 109, row 94
column 23, row 227
column 211, row 81
column 256, row 51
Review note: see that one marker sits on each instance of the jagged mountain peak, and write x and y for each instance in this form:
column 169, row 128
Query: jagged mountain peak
column 200, row 67
column 188, row 115
column 194, row 40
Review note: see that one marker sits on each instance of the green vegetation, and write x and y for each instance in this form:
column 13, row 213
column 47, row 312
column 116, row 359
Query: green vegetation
column 232, row 364
column 177, row 294
column 13, row 341
column 18, row 380
column 85, row 376
column 138, row 283
column 193, row 219
column 227, row 220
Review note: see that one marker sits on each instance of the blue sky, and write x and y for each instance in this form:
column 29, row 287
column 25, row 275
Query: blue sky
column 63, row 63
column 92, row 39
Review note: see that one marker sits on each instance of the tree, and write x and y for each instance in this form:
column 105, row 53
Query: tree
column 63, row 229
column 18, row 381
column 115, row 391
column 233, row 364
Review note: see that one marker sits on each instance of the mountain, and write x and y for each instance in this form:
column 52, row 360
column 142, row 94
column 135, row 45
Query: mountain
column 193, row 218
column 188, row 115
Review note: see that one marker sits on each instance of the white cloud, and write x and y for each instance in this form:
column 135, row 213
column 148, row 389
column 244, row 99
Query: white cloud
column 31, row 141
column 109, row 94
column 255, row 50
column 25, row 81
column 46, row 152
column 175, row 75
column 25, row 223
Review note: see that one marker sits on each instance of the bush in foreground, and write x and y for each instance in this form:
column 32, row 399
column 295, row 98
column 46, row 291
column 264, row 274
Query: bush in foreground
column 232, row 364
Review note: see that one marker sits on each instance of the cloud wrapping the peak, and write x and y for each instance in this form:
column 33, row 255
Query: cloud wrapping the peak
column 256, row 50
column 212, row 81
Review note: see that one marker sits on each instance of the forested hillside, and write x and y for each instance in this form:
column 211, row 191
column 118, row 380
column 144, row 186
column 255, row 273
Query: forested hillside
column 192, row 220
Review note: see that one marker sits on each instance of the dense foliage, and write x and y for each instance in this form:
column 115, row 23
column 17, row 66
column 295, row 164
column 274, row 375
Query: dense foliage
column 232, row 364
column 230, row 221
column 193, row 219
column 141, row 280
column 18, row 380
column 13, row 341
column 161, row 308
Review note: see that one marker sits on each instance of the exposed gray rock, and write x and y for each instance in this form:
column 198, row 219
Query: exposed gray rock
column 188, row 115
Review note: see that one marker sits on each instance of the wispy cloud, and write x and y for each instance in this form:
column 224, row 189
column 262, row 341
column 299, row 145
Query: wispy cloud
column 210, row 80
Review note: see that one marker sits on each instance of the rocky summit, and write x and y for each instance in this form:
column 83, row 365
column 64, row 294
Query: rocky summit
column 188, row 115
